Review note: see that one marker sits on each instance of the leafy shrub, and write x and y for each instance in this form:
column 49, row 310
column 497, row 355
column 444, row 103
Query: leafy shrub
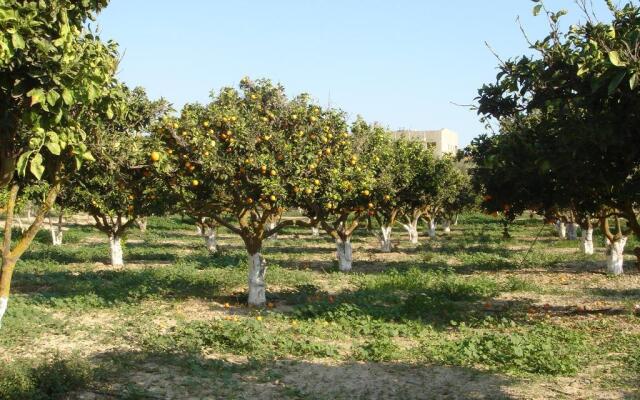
column 377, row 350
column 53, row 379
column 247, row 337
column 545, row 349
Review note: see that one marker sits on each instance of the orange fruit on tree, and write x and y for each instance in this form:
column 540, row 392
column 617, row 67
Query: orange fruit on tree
column 155, row 156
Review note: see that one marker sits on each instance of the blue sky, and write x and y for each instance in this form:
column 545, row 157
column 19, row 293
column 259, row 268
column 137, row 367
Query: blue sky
column 401, row 63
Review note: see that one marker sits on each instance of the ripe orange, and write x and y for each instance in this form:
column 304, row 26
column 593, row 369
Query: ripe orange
column 155, row 156
column 195, row 182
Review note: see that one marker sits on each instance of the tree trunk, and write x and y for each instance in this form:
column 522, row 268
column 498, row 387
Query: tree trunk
column 432, row 228
column 446, row 225
column 561, row 227
column 142, row 224
column 56, row 231
column 345, row 254
column 572, row 231
column 257, row 271
column 455, row 221
column 615, row 256
column 211, row 239
column 385, row 239
column 315, row 232
column 272, row 225
column 56, row 235
column 5, row 284
column 115, row 243
column 412, row 230
column 587, row 241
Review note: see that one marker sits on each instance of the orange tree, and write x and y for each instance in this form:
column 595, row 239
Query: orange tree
column 120, row 186
column 237, row 159
column 335, row 186
column 396, row 168
column 53, row 73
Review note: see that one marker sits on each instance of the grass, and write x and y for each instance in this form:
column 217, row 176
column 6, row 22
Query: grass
column 499, row 317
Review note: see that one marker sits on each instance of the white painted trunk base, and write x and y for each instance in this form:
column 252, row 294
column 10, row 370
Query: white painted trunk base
column 345, row 255
column 272, row 225
column 257, row 272
column 432, row 229
column 615, row 257
column 211, row 240
column 117, row 256
column 142, row 224
column 56, row 236
column 412, row 230
column 587, row 241
column 561, row 227
column 3, row 307
column 446, row 225
column 315, row 232
column 572, row 231
column 385, row 239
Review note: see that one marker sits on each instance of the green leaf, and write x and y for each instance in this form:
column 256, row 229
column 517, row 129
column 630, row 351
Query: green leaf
column 615, row 82
column 54, row 148
column 67, row 97
column 17, row 41
column 633, row 81
column 21, row 165
column 614, row 57
column 37, row 96
column 537, row 9
column 52, row 97
column 88, row 156
column 37, row 169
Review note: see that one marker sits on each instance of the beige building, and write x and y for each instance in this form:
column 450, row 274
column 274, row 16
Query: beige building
column 444, row 141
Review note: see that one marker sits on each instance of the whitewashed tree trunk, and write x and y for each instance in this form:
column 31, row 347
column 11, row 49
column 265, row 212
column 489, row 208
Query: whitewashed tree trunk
column 345, row 254
column 561, row 227
column 315, row 232
column 385, row 239
column 446, row 225
column 615, row 257
column 272, row 225
column 142, row 224
column 199, row 229
column 257, row 271
column 56, row 235
column 211, row 239
column 572, row 231
column 432, row 228
column 455, row 220
column 587, row 241
column 4, row 301
column 412, row 230
column 117, row 257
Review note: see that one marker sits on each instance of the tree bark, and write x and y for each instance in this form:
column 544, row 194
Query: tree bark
column 117, row 256
column 587, row 241
column 572, row 231
column 211, row 239
column 615, row 256
column 344, row 254
column 561, row 227
column 257, row 272
column 412, row 229
column 385, row 239
column 142, row 224
column 446, row 225
column 8, row 266
column 432, row 228
column 315, row 232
